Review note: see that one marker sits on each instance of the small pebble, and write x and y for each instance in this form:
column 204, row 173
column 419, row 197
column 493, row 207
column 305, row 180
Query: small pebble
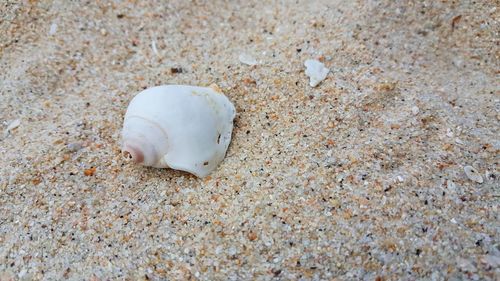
column 415, row 110
column 175, row 70
column 449, row 133
column 473, row 174
column 247, row 59
column 53, row 29
column 252, row 236
column 75, row 146
column 89, row 172
column 450, row 185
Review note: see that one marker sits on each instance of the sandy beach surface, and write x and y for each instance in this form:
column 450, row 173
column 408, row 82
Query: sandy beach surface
column 387, row 170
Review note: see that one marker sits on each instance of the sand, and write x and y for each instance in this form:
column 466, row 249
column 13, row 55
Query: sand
column 362, row 177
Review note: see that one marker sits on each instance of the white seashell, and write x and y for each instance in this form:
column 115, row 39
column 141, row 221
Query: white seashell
column 415, row 110
column 316, row 71
column 53, row 29
column 185, row 128
column 14, row 124
column 74, row 146
column 153, row 46
column 473, row 174
column 247, row 59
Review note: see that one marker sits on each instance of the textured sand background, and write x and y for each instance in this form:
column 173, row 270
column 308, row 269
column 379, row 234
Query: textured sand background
column 359, row 178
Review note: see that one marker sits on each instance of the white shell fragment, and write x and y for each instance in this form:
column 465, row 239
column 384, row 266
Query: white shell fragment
column 153, row 46
column 12, row 125
column 185, row 128
column 316, row 71
column 53, row 29
column 415, row 110
column 247, row 59
column 473, row 174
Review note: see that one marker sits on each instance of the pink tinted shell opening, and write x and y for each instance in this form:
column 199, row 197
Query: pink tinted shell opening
column 133, row 154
